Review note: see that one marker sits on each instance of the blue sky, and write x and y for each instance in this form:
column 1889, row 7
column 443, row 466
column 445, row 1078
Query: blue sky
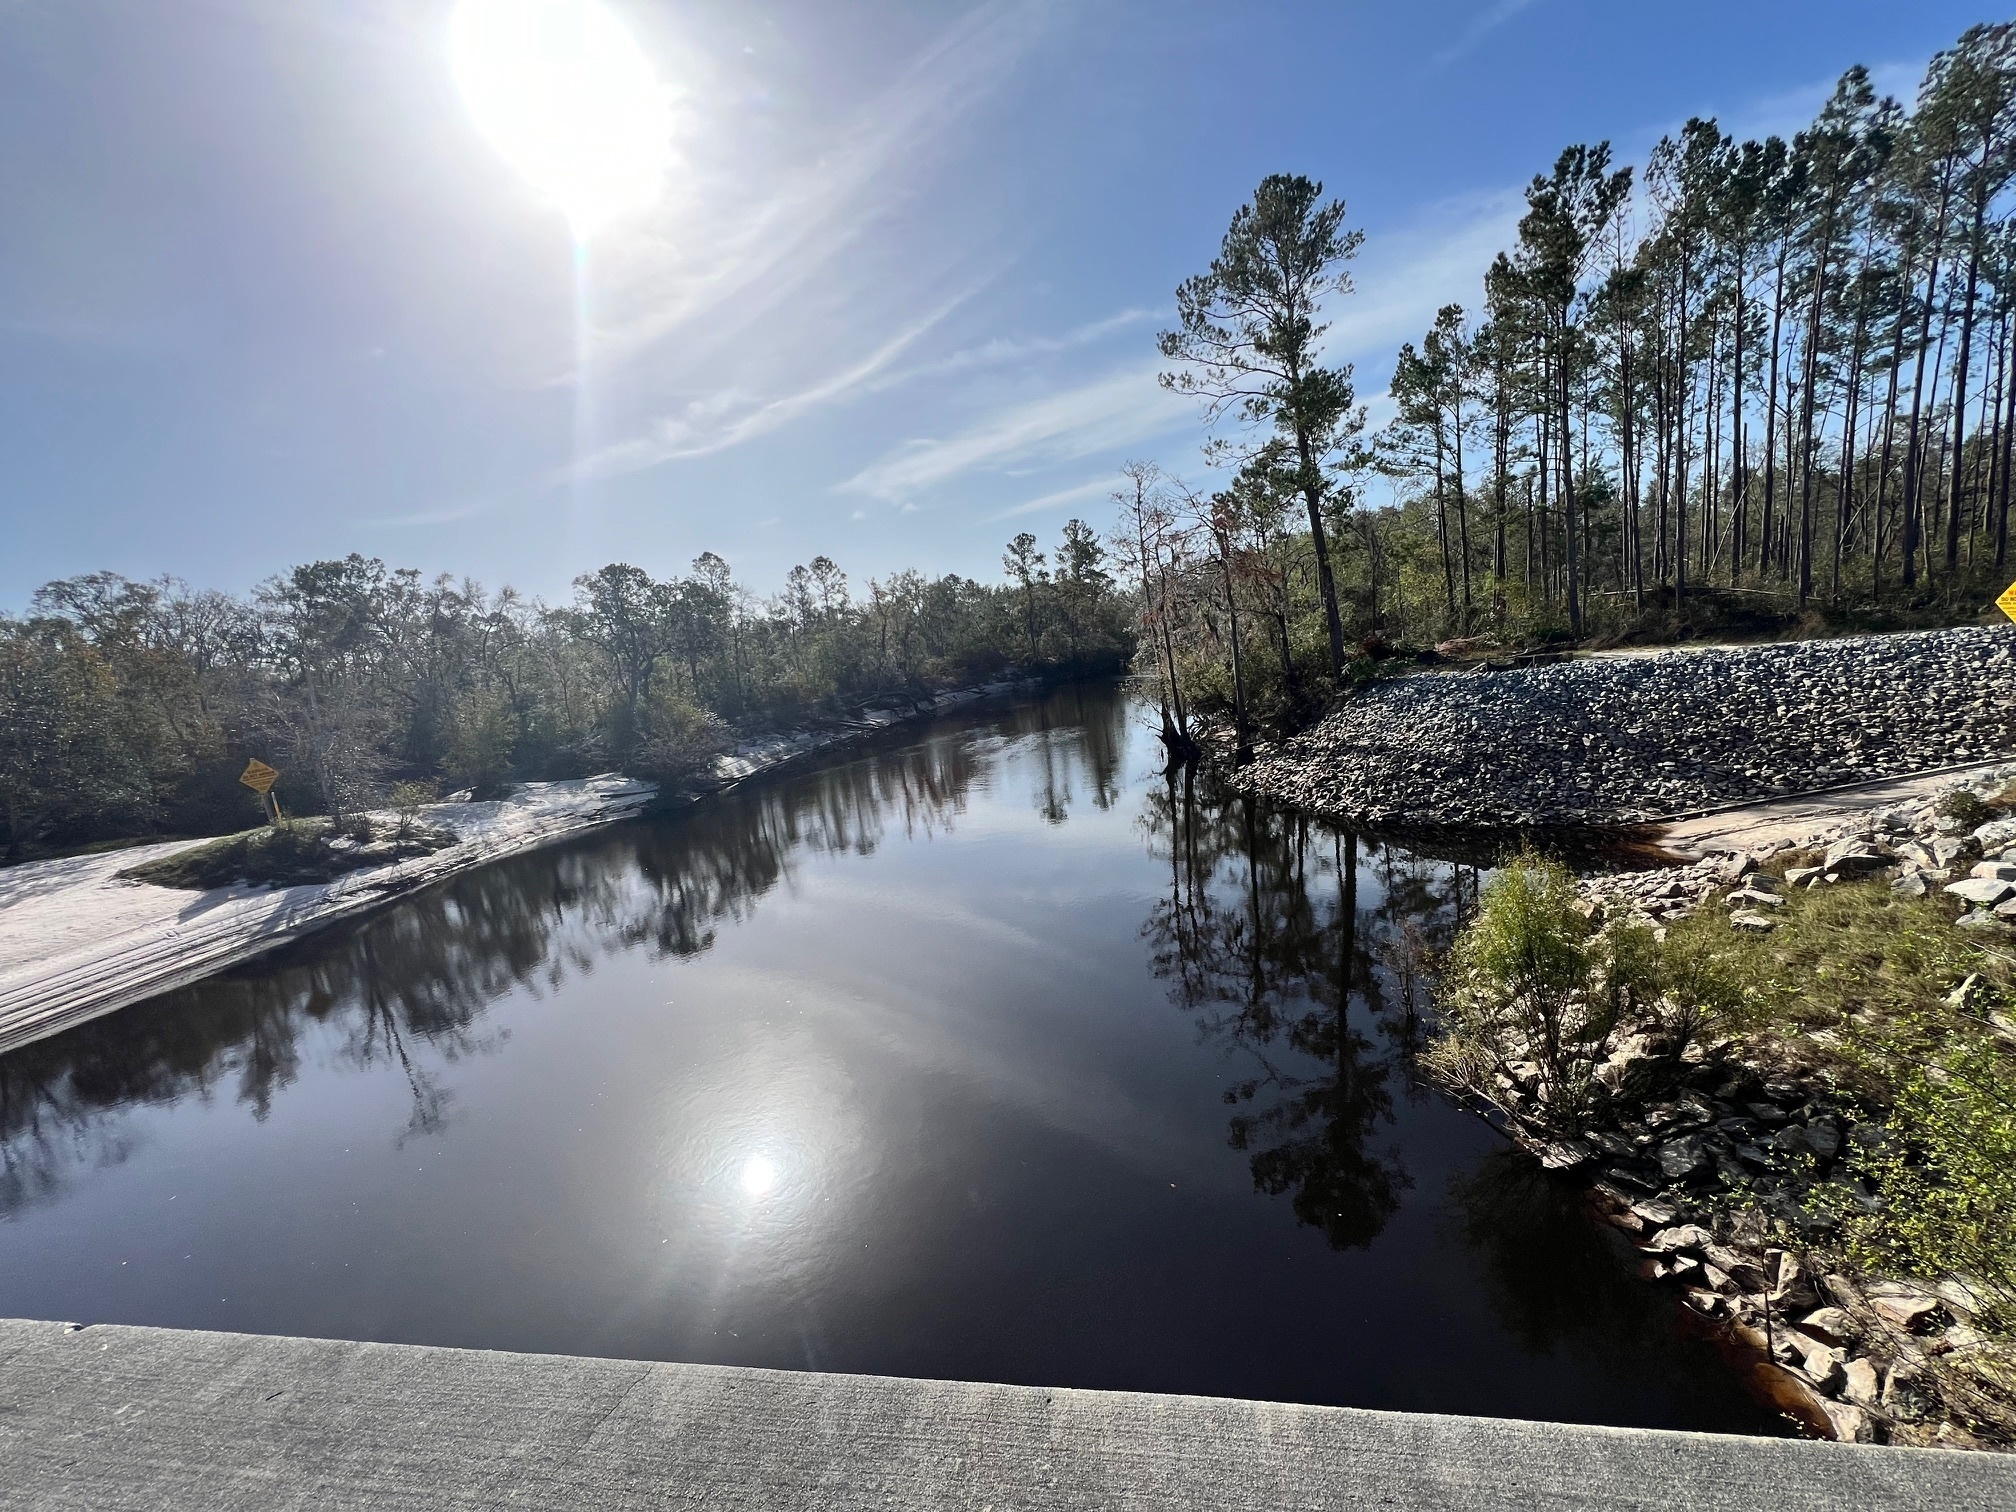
column 268, row 294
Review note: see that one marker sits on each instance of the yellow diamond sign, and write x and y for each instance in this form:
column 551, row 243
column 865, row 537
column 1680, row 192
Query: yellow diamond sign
column 258, row 776
column 2007, row 603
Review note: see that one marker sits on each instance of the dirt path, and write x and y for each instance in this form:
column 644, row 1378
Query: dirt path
column 1782, row 821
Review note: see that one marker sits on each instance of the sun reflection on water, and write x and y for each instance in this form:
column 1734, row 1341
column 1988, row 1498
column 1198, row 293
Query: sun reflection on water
column 759, row 1175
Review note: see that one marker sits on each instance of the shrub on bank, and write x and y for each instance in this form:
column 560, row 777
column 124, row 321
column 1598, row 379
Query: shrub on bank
column 1874, row 998
column 1947, row 1170
column 293, row 854
column 1539, row 998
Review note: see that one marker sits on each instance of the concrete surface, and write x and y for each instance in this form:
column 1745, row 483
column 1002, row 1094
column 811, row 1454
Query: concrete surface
column 111, row 1417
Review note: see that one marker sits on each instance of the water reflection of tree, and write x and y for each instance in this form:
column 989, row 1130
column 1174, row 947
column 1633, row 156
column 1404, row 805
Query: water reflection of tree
column 1076, row 736
column 1264, row 935
column 408, row 987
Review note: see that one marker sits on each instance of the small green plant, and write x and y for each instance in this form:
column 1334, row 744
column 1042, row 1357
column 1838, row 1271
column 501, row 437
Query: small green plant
column 1964, row 807
column 408, row 799
column 1947, row 1168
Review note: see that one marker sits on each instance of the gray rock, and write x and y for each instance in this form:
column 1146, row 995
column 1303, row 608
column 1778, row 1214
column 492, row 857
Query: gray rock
column 1831, row 1325
column 1800, row 876
column 1750, row 897
column 1687, row 1236
column 1565, row 1155
column 1851, row 857
column 1823, row 1370
column 1959, row 1298
column 1682, row 1157
column 1905, row 1306
column 1819, row 1140
column 1910, row 884
column 1859, row 1383
column 1971, row 996
column 2000, row 871
column 1678, row 731
column 1948, row 850
column 1751, row 921
column 1996, row 834
column 1984, row 892
column 1851, row 1424
column 1741, row 1269
column 1656, row 1212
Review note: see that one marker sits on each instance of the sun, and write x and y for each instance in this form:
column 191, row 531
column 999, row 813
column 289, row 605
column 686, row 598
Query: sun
column 564, row 92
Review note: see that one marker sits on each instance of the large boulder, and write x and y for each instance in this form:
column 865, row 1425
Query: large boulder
column 1983, row 892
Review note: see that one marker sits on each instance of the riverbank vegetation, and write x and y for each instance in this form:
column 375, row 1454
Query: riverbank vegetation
column 293, row 853
column 130, row 708
column 1819, row 1113
column 1747, row 388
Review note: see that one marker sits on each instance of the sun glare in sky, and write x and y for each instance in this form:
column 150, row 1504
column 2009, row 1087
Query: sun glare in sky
column 564, row 92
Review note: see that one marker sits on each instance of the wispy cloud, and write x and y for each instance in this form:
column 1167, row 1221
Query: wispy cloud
column 1096, row 488
column 735, row 287
column 727, row 419
column 1010, row 349
column 717, row 246
column 1407, row 274
column 1481, row 26
column 1119, row 410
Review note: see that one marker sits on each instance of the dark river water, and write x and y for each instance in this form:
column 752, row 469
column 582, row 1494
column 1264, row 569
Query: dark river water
column 984, row 1053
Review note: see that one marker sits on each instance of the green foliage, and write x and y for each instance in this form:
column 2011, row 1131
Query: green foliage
column 1522, row 989
column 128, row 706
column 1965, row 807
column 678, row 741
column 67, row 757
column 1853, row 954
column 482, row 741
column 1537, row 994
column 409, row 798
column 1947, row 1168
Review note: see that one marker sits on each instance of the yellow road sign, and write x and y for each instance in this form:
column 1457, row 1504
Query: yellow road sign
column 2007, row 603
column 258, row 776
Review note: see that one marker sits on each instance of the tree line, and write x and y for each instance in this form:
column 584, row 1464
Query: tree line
column 129, row 708
column 1760, row 381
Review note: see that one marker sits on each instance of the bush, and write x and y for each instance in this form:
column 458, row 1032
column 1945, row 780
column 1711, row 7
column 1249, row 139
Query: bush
column 1947, row 1168
column 1537, row 995
column 294, row 854
column 1964, row 807
column 482, row 739
column 679, row 741
column 408, row 799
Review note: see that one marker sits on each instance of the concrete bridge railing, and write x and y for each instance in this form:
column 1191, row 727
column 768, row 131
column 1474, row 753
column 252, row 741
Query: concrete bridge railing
column 110, row 1417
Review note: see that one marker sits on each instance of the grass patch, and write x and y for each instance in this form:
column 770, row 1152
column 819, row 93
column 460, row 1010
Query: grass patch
column 1885, row 999
column 1854, row 958
column 294, row 854
column 1867, row 998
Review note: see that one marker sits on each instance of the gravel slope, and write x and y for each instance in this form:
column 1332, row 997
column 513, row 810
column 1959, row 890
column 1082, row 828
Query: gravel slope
column 1622, row 739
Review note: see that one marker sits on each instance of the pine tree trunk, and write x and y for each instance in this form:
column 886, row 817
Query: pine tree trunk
column 1960, row 366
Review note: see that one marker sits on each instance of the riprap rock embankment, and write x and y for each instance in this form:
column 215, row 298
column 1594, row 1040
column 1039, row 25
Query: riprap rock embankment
column 1622, row 739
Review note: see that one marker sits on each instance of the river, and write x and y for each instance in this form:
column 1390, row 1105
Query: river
column 983, row 1052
